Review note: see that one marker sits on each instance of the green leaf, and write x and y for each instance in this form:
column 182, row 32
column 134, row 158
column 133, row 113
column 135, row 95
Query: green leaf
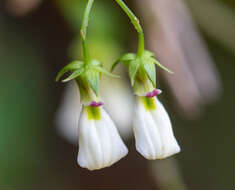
column 70, row 67
column 93, row 78
column 74, row 75
column 151, row 72
column 133, row 68
column 102, row 70
column 125, row 57
column 161, row 66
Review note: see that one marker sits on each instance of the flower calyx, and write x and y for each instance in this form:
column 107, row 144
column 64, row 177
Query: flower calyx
column 141, row 70
column 87, row 76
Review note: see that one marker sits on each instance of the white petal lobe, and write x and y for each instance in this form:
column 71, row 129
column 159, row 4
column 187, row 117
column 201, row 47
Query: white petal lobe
column 100, row 145
column 153, row 131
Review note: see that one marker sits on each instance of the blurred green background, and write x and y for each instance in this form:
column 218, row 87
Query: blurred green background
column 34, row 46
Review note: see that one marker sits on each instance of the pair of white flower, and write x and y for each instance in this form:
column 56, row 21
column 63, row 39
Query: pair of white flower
column 100, row 144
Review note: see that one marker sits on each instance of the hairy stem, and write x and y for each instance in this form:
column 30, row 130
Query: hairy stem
column 85, row 21
column 136, row 23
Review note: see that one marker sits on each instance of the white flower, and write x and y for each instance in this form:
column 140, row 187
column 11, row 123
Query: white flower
column 67, row 115
column 153, row 130
column 100, row 145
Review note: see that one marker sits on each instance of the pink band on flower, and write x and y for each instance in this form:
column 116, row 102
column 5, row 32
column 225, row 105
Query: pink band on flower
column 96, row 104
column 154, row 93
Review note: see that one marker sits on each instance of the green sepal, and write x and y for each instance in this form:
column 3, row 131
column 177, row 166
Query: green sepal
column 93, row 78
column 71, row 67
column 102, row 70
column 74, row 75
column 150, row 71
column 133, row 68
column 161, row 66
column 95, row 62
column 148, row 54
column 124, row 58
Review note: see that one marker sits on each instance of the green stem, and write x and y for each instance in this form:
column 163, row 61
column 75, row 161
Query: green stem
column 84, row 31
column 136, row 23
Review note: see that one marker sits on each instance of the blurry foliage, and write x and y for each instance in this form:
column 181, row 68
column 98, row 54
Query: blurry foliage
column 230, row 3
column 21, row 100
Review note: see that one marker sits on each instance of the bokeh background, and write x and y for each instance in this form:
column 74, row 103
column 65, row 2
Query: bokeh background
column 194, row 38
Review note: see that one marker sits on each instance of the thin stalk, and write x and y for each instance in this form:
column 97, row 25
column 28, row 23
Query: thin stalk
column 85, row 21
column 136, row 23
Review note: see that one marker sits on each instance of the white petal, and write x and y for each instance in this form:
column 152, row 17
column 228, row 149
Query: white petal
column 90, row 154
column 162, row 121
column 148, row 140
column 118, row 148
column 153, row 132
column 99, row 142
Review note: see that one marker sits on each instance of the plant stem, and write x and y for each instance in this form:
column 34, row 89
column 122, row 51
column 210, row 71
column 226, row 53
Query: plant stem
column 136, row 23
column 85, row 21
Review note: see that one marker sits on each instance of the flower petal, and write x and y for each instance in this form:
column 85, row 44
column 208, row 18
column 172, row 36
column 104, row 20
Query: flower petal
column 148, row 140
column 153, row 131
column 162, row 121
column 99, row 142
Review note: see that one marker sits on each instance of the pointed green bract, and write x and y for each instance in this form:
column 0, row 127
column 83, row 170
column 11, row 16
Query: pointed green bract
column 128, row 57
column 95, row 62
column 124, row 58
column 147, row 54
column 69, row 68
column 93, row 78
column 151, row 72
column 133, row 68
column 90, row 72
column 145, row 61
column 161, row 66
column 74, row 75
column 101, row 70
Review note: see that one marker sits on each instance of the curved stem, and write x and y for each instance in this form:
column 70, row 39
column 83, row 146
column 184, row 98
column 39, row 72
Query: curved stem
column 85, row 21
column 136, row 23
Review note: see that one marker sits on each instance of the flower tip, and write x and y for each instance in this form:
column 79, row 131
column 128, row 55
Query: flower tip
column 96, row 104
column 154, row 93
column 158, row 91
column 98, row 166
column 160, row 155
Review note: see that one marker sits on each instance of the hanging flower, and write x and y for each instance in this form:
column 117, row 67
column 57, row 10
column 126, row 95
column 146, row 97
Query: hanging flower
column 152, row 126
column 153, row 130
column 100, row 145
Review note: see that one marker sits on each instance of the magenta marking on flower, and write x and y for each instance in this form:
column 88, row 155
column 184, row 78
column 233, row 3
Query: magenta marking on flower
column 154, row 93
column 96, row 104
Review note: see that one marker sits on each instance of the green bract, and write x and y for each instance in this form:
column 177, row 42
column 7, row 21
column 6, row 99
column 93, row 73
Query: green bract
column 85, row 74
column 140, row 64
